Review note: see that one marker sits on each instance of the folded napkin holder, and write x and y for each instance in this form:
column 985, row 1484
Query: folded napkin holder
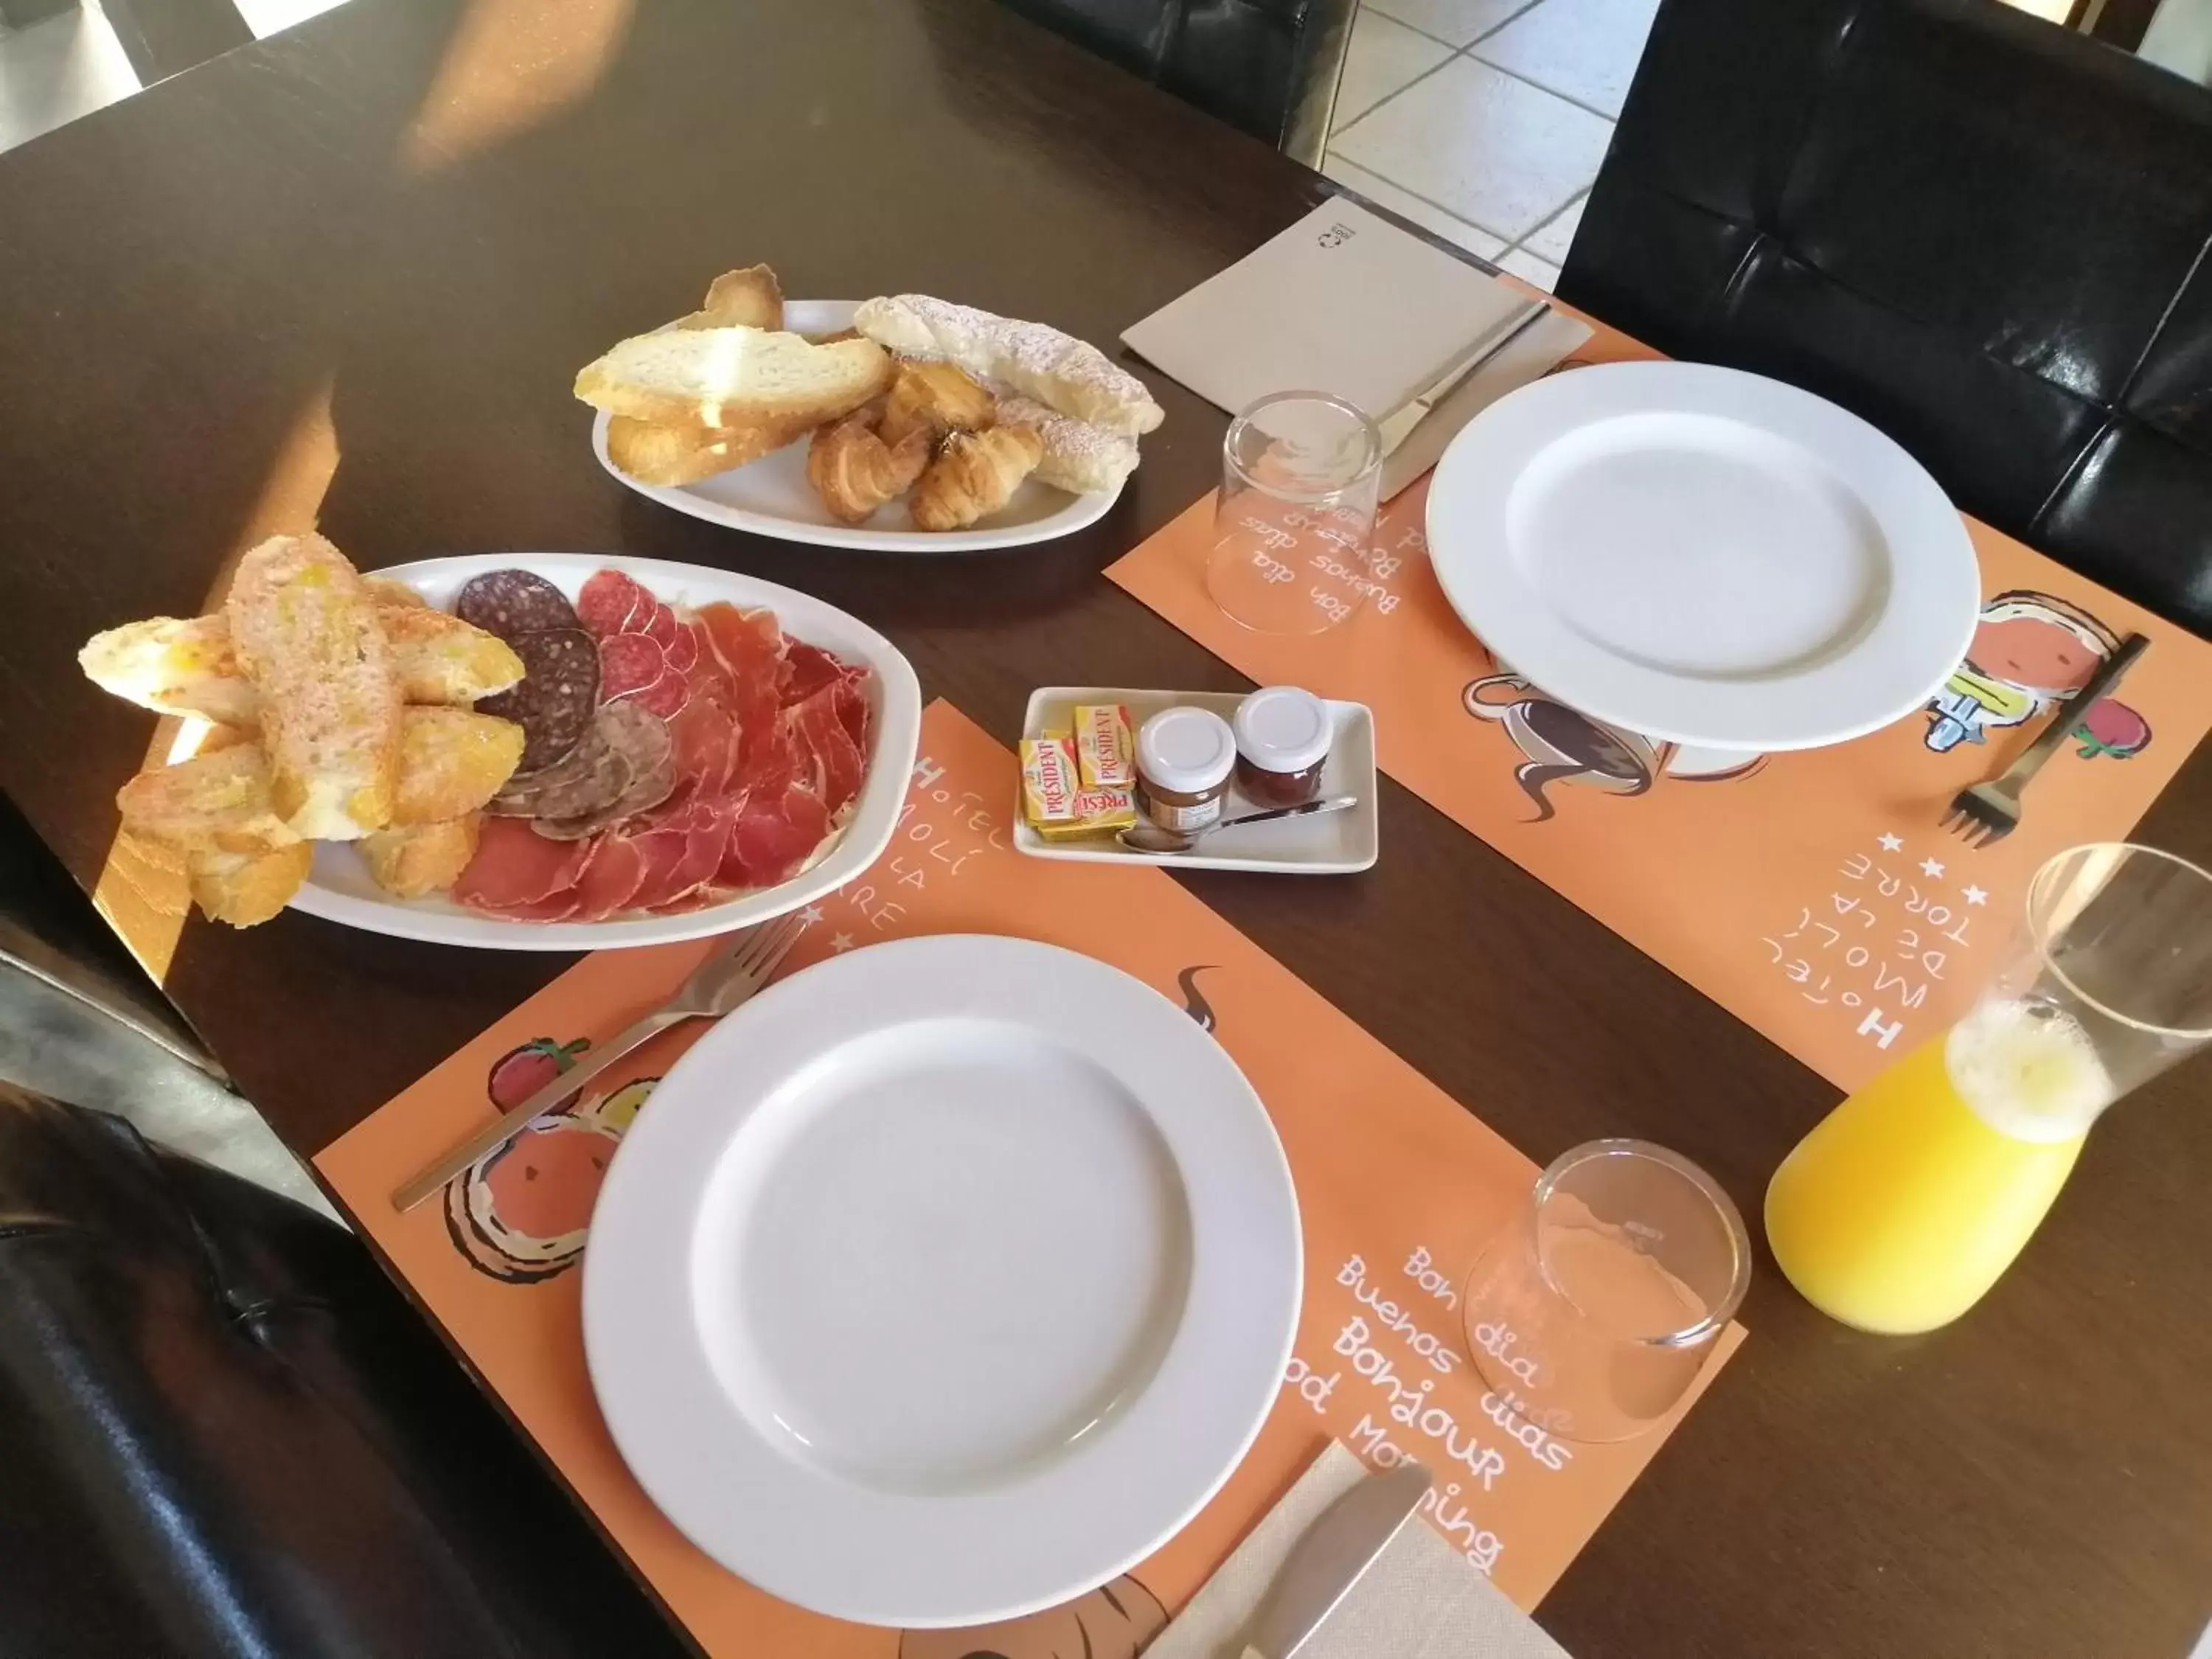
column 1421, row 1599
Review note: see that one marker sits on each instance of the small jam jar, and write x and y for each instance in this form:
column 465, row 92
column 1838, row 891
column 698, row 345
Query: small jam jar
column 1184, row 757
column 1282, row 741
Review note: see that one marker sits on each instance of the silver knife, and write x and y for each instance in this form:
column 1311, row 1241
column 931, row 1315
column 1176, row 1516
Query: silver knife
column 1329, row 1558
column 1398, row 425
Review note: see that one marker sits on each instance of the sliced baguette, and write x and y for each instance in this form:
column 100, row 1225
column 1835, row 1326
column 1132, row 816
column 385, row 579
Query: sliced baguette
column 244, row 889
column 307, row 633
column 186, row 667
column 451, row 760
column 212, row 802
column 734, row 377
column 657, row 452
column 751, row 298
column 423, row 858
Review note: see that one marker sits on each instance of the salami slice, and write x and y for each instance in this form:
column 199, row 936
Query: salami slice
column 629, row 664
column 512, row 603
column 667, row 695
column 560, row 691
column 607, row 599
column 660, row 625
column 683, row 651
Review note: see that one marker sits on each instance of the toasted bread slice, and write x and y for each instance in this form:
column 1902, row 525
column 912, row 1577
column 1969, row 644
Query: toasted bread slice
column 734, row 377
column 657, row 452
column 451, row 760
column 751, row 298
column 216, row 803
column 390, row 591
column 423, row 858
column 174, row 666
column 187, row 666
column 440, row 659
column 307, row 634
column 242, row 889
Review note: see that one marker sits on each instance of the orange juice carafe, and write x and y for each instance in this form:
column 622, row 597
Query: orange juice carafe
column 1907, row 1202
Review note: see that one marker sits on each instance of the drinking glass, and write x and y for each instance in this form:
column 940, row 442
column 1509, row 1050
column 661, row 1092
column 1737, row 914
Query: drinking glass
column 1294, row 523
column 1907, row 1202
column 1593, row 1314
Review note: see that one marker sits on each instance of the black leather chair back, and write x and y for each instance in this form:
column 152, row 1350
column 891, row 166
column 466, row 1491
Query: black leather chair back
column 1990, row 237
column 222, row 1432
column 1267, row 66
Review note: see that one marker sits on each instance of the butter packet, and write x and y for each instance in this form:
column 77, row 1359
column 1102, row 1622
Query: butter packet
column 1048, row 780
column 1105, row 755
column 1097, row 813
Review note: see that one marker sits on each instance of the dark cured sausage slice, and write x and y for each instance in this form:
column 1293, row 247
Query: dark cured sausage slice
column 559, row 692
column 513, row 603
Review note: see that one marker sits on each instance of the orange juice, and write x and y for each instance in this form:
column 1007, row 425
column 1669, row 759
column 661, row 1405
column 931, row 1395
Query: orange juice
column 1911, row 1199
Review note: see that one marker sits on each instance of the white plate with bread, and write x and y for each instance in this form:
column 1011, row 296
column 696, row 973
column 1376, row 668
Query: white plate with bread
column 932, row 428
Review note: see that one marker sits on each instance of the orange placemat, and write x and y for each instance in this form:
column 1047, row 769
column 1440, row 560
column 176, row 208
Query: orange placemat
column 1396, row 1198
column 1813, row 895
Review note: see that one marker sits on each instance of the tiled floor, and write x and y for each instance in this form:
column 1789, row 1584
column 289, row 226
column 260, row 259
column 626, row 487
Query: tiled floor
column 1485, row 120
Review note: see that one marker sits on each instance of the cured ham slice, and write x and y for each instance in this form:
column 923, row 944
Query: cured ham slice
column 610, row 880
column 704, row 736
column 514, row 866
column 822, row 750
column 781, row 824
column 808, row 669
column 561, row 907
column 704, row 839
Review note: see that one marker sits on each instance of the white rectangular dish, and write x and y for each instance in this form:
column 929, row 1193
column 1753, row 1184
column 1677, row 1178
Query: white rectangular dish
column 1326, row 844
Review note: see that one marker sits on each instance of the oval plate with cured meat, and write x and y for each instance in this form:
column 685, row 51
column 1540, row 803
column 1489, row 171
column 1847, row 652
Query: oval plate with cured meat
column 740, row 813
column 771, row 497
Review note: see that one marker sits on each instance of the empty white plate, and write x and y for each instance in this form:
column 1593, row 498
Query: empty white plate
column 1704, row 556
column 771, row 497
column 943, row 1281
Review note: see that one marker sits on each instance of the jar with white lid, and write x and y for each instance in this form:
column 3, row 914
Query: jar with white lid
column 1283, row 734
column 1184, row 758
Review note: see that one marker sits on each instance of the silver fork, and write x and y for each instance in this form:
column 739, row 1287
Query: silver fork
column 716, row 985
column 1990, row 812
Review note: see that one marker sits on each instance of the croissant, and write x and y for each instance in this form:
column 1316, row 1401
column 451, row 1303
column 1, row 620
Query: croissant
column 974, row 474
column 855, row 471
column 939, row 395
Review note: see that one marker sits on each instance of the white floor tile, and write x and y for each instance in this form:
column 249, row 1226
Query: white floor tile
column 1529, row 268
column 1556, row 234
column 1496, row 151
column 265, row 17
column 1456, row 21
column 1380, row 191
column 1585, row 50
column 1383, row 58
column 57, row 70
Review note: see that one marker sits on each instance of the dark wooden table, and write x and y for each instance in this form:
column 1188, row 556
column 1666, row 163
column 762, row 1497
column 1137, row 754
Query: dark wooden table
column 184, row 278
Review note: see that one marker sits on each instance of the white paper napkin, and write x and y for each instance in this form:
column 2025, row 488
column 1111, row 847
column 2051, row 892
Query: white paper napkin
column 1422, row 1599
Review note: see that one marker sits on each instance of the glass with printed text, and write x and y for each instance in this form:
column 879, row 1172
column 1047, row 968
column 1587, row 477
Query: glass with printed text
column 1592, row 1315
column 1907, row 1202
column 1294, row 524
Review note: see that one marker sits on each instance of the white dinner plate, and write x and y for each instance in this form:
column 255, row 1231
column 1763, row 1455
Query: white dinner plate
column 943, row 1281
column 340, row 888
column 771, row 497
column 1704, row 556
column 1326, row 844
